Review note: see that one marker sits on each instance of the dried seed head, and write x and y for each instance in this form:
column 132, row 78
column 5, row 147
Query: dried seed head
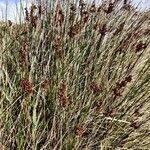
column 65, row 102
column 93, row 8
column 96, row 89
column 103, row 29
column 9, row 23
column 117, row 92
column 110, row 8
column 128, row 78
column 44, row 84
column 85, row 19
column 121, row 84
column 127, row 7
column 95, row 26
column 57, row 43
column 125, row 2
column 26, row 86
column 26, row 14
column 62, row 95
column 60, row 17
column 140, row 46
column 34, row 21
column 99, row 106
column 109, row 112
column 73, row 8
column 40, row 10
column 79, row 131
column 99, row 9
column 146, row 31
column 74, row 30
column 82, row 3
column 135, row 125
column 33, row 7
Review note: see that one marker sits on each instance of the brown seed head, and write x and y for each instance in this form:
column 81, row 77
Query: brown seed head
column 44, row 84
column 135, row 125
column 96, row 89
column 62, row 95
column 26, row 86
column 103, row 29
column 9, row 23
column 140, row 46
column 110, row 8
column 128, row 78
column 74, row 30
column 26, row 14
column 79, row 131
column 93, row 8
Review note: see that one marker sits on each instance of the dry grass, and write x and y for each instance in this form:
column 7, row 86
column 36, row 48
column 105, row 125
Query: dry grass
column 76, row 78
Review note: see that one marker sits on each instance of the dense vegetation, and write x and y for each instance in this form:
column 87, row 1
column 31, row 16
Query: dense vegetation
column 76, row 77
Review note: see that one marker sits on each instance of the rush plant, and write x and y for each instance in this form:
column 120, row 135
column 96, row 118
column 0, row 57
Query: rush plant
column 76, row 76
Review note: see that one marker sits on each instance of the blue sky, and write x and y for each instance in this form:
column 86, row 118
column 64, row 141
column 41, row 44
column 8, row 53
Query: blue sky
column 12, row 7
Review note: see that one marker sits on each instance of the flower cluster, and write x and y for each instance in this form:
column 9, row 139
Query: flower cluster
column 120, row 85
column 96, row 89
column 140, row 46
column 26, row 86
column 62, row 95
column 74, row 30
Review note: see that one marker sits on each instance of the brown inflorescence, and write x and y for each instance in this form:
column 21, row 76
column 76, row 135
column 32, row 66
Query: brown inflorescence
column 117, row 92
column 140, row 46
column 96, row 89
column 26, row 86
column 135, row 125
column 99, row 9
column 79, row 131
column 61, row 17
column 127, row 7
column 57, row 43
column 33, row 8
column 109, row 112
column 9, row 23
column 128, row 78
column 62, row 95
column 26, row 14
column 29, row 16
column 72, row 12
column 110, row 8
column 93, row 8
column 103, row 29
column 40, row 10
column 119, row 85
column 73, row 8
column 82, row 6
column 82, row 3
column 34, row 21
column 44, row 84
column 125, row 2
column 74, row 30
column 95, row 26
column 99, row 106
column 146, row 31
